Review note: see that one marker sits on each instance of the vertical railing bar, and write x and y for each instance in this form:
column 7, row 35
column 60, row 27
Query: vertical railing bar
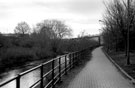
column 18, row 81
column 73, row 59
column 53, row 74
column 60, row 69
column 65, row 64
column 41, row 75
column 70, row 61
column 77, row 57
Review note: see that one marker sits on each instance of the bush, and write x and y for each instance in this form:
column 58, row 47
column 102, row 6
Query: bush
column 72, row 45
column 42, row 53
column 24, row 50
column 16, row 57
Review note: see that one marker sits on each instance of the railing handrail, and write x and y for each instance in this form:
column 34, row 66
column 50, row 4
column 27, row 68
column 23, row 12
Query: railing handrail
column 71, row 62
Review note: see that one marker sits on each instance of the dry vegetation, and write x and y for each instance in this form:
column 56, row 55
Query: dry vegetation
column 47, row 40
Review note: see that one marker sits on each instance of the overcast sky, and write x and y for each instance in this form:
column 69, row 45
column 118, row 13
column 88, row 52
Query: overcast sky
column 78, row 14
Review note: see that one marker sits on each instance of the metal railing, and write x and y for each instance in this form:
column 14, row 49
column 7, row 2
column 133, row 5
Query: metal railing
column 50, row 71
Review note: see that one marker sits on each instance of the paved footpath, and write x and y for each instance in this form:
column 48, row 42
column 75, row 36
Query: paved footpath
column 100, row 73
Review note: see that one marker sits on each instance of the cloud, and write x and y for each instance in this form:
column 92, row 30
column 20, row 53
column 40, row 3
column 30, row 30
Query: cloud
column 78, row 14
column 86, row 7
column 74, row 6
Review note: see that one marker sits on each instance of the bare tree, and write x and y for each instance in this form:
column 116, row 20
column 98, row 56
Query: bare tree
column 22, row 28
column 53, row 31
column 118, row 20
column 57, row 28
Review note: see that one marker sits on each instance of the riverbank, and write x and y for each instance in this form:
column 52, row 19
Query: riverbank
column 22, row 68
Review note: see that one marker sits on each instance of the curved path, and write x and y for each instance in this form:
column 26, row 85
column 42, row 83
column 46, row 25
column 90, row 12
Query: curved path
column 100, row 73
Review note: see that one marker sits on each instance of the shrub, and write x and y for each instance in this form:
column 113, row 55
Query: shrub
column 42, row 53
column 16, row 57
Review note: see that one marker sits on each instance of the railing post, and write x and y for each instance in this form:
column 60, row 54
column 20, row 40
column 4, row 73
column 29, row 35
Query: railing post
column 99, row 40
column 60, row 69
column 81, row 54
column 70, row 63
column 18, row 81
column 41, row 75
column 53, row 86
column 77, row 58
column 73, row 59
column 65, row 64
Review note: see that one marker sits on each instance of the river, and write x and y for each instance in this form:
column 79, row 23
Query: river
column 25, row 81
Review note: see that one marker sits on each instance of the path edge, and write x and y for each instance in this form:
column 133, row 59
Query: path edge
column 124, row 73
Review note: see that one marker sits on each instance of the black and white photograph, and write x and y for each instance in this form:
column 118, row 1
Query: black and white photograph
column 67, row 43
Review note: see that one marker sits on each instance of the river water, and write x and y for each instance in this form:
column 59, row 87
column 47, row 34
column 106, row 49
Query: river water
column 27, row 80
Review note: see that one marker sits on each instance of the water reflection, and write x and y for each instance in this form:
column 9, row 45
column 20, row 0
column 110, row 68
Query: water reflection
column 10, row 85
column 29, row 79
column 25, row 81
column 7, row 76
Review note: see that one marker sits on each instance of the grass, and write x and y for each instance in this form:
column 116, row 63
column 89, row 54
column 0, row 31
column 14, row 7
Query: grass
column 120, row 59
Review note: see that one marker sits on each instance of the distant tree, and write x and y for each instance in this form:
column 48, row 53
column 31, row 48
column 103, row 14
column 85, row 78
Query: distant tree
column 57, row 28
column 22, row 28
column 51, row 32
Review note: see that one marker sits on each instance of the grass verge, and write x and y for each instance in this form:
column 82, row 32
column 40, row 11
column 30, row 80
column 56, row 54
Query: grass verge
column 120, row 58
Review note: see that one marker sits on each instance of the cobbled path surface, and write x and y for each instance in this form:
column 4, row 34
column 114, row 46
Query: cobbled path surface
column 100, row 73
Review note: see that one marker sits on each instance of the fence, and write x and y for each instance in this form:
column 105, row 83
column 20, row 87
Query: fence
column 50, row 71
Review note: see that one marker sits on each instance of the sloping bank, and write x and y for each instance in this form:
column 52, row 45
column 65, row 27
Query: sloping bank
column 119, row 60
